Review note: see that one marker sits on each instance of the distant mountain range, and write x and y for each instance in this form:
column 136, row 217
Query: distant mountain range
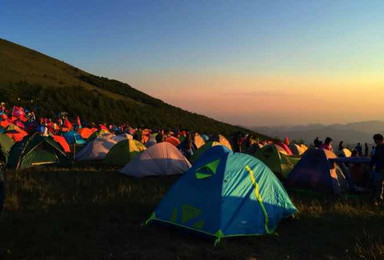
column 350, row 133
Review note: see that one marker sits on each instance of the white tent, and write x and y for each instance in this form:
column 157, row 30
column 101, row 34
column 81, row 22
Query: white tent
column 99, row 147
column 159, row 159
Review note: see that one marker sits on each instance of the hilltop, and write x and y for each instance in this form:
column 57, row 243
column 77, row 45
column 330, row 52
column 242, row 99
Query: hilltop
column 34, row 80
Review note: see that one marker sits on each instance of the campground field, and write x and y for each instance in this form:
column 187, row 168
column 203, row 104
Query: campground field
column 98, row 213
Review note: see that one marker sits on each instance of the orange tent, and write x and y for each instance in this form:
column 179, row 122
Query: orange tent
column 15, row 132
column 198, row 140
column 68, row 124
column 224, row 141
column 4, row 124
column 172, row 140
column 61, row 140
column 86, row 132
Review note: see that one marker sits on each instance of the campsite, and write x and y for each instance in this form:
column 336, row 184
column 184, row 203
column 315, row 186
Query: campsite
column 191, row 129
column 110, row 192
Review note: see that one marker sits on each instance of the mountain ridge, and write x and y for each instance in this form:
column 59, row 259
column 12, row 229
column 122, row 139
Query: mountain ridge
column 38, row 81
column 351, row 133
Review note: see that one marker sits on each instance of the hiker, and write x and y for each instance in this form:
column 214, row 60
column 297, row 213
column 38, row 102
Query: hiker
column 377, row 162
column 327, row 144
column 359, row 149
column 341, row 146
column 366, row 150
column 317, row 142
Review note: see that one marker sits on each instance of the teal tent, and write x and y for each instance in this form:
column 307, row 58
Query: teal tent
column 74, row 137
column 226, row 194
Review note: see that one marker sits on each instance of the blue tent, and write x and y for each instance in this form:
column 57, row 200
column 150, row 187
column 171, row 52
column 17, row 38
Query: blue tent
column 74, row 137
column 226, row 194
column 318, row 170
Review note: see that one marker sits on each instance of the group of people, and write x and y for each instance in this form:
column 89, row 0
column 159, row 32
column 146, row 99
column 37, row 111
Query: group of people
column 357, row 151
column 376, row 163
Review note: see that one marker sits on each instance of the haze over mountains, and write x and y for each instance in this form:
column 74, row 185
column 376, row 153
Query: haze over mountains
column 350, row 133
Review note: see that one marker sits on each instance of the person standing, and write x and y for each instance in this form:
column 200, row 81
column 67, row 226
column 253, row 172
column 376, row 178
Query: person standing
column 359, row 149
column 187, row 146
column 377, row 162
column 366, row 150
column 373, row 151
column 327, row 144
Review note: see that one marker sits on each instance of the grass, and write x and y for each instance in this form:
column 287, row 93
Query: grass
column 97, row 213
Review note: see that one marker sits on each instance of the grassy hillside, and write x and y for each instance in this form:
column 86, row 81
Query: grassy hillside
column 56, row 86
column 88, row 213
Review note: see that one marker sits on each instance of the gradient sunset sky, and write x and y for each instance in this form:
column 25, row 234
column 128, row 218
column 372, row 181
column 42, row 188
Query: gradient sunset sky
column 254, row 63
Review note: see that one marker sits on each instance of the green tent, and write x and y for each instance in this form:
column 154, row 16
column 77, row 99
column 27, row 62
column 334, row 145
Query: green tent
column 6, row 144
column 201, row 150
column 281, row 164
column 123, row 152
column 225, row 194
column 37, row 150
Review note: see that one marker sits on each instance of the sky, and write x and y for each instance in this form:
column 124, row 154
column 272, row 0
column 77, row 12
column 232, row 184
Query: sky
column 250, row 63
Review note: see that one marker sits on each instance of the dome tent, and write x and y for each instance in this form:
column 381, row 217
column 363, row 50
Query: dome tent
column 222, row 140
column 298, row 149
column 74, row 137
column 277, row 160
column 159, row 159
column 317, row 171
column 123, row 152
column 225, row 194
column 202, row 149
column 98, row 148
column 345, row 153
column 6, row 144
column 37, row 150
column 198, row 140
